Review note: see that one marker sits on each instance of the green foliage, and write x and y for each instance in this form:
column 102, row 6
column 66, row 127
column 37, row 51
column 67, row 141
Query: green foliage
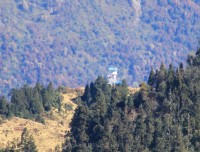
column 44, row 40
column 162, row 116
column 4, row 107
column 95, row 122
column 30, row 102
column 151, row 79
column 26, row 144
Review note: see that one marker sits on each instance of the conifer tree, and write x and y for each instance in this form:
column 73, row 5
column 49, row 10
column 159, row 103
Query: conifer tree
column 87, row 95
column 3, row 106
column 27, row 143
column 151, row 79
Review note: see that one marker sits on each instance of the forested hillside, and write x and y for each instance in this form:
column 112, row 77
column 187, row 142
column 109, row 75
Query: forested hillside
column 30, row 102
column 71, row 42
column 162, row 116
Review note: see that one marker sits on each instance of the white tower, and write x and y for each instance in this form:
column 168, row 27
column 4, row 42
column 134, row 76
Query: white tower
column 112, row 76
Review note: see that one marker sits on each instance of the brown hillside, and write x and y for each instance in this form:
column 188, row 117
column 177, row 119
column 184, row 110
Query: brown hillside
column 133, row 90
column 47, row 136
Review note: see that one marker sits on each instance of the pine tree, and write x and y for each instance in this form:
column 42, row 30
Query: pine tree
column 99, row 106
column 36, row 102
column 151, row 79
column 80, row 124
column 87, row 95
column 170, row 77
column 4, row 108
column 27, row 143
column 50, row 87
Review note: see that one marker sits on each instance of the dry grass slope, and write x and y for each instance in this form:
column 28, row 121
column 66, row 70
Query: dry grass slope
column 47, row 136
column 133, row 90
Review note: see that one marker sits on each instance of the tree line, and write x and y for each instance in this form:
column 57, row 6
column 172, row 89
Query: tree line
column 30, row 102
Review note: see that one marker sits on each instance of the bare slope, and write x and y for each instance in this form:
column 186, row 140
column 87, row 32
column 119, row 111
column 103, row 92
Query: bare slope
column 46, row 136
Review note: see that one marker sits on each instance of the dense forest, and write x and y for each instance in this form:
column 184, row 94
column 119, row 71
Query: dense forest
column 62, row 40
column 163, row 116
column 30, row 102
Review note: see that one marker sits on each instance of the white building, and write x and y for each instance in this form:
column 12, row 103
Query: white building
column 112, row 76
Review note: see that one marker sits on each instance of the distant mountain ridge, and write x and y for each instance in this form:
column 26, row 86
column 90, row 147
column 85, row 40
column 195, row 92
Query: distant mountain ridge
column 71, row 42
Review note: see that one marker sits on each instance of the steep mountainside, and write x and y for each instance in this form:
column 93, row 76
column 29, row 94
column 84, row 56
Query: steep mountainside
column 71, row 42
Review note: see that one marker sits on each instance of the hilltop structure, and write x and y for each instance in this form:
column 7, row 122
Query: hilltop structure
column 112, row 76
